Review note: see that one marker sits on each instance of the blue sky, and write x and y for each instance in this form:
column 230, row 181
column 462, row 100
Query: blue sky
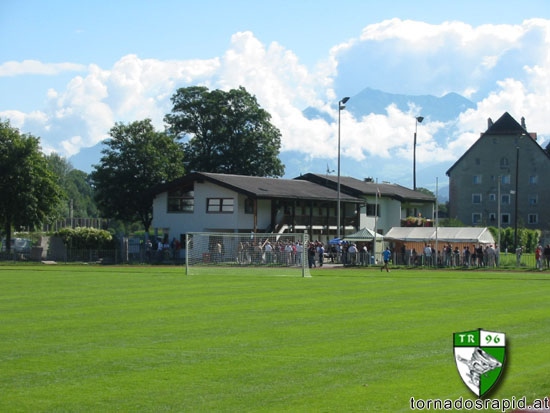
column 70, row 69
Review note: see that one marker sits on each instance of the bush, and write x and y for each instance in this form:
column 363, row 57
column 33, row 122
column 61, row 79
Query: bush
column 527, row 238
column 87, row 238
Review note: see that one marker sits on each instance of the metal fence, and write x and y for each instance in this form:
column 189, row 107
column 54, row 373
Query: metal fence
column 168, row 257
column 70, row 255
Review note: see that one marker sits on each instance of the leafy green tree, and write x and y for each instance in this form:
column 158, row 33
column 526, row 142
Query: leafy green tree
column 29, row 192
column 136, row 158
column 228, row 132
column 527, row 238
column 450, row 222
column 76, row 187
column 425, row 191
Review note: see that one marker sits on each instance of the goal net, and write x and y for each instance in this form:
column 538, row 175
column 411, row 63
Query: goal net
column 227, row 253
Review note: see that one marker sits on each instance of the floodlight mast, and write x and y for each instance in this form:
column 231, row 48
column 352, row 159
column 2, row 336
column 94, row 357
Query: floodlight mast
column 341, row 106
column 418, row 119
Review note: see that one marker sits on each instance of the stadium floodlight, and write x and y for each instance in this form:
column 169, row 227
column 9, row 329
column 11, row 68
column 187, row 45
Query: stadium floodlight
column 418, row 119
column 341, row 106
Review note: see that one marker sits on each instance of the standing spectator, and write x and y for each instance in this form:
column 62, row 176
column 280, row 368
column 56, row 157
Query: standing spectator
column 538, row 257
column 344, row 253
column 467, row 256
column 311, row 251
column 519, row 252
column 268, row 253
column 288, row 253
column 408, row 257
column 148, row 249
column 386, row 255
column 491, row 256
column 448, row 253
column 480, row 256
column 428, row 255
column 321, row 252
column 352, row 253
column 364, row 255
column 456, row 257
column 299, row 252
column 547, row 255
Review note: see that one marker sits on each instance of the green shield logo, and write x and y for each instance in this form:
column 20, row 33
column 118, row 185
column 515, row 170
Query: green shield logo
column 480, row 357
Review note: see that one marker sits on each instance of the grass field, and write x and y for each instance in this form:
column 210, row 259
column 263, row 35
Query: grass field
column 150, row 339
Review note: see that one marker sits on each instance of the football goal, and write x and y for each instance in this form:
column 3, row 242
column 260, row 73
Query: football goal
column 270, row 254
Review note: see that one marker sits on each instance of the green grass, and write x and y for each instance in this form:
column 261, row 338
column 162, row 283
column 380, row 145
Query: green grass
column 150, row 339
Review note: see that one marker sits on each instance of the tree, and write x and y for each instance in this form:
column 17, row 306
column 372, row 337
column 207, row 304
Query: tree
column 77, row 189
column 228, row 132
column 425, row 191
column 29, row 192
column 136, row 159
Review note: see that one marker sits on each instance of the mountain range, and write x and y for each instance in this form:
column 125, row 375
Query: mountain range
column 368, row 101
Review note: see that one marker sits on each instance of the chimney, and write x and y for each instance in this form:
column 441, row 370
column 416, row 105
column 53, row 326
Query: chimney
column 489, row 122
column 523, row 123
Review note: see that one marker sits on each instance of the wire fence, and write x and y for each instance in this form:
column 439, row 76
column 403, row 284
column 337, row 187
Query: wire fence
column 177, row 257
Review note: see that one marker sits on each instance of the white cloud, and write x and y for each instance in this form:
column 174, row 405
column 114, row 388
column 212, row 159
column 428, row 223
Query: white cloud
column 503, row 68
column 35, row 67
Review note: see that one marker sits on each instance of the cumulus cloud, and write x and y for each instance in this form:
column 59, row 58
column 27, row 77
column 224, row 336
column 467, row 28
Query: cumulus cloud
column 501, row 68
column 35, row 67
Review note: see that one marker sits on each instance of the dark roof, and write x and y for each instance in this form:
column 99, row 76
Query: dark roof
column 266, row 188
column 358, row 188
column 505, row 125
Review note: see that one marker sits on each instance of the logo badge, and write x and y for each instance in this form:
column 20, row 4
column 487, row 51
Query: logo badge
column 479, row 357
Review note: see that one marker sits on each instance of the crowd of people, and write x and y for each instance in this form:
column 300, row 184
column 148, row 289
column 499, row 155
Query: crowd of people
column 449, row 256
column 290, row 252
column 466, row 256
column 282, row 252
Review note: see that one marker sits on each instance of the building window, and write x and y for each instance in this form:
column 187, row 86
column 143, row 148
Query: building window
column 248, row 206
column 504, row 163
column 505, row 180
column 220, row 205
column 533, row 199
column 492, row 197
column 476, row 198
column 477, row 179
column 533, row 179
column 505, row 219
column 372, row 210
column 505, row 199
column 533, row 218
column 492, row 217
column 181, row 200
column 476, row 218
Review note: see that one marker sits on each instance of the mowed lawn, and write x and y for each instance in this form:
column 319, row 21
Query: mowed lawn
column 151, row 339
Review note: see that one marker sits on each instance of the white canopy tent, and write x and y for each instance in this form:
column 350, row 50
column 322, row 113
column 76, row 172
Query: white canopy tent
column 368, row 235
column 364, row 234
column 471, row 235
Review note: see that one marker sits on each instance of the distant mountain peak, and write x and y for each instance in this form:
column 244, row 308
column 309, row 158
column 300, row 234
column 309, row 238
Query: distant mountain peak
column 369, row 100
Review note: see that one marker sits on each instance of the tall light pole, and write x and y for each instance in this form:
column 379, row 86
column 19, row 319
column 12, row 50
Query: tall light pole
column 418, row 119
column 341, row 106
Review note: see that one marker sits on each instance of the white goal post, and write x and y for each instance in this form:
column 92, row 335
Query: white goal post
column 238, row 253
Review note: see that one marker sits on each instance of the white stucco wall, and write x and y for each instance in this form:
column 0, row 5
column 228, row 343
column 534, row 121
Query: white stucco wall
column 177, row 223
